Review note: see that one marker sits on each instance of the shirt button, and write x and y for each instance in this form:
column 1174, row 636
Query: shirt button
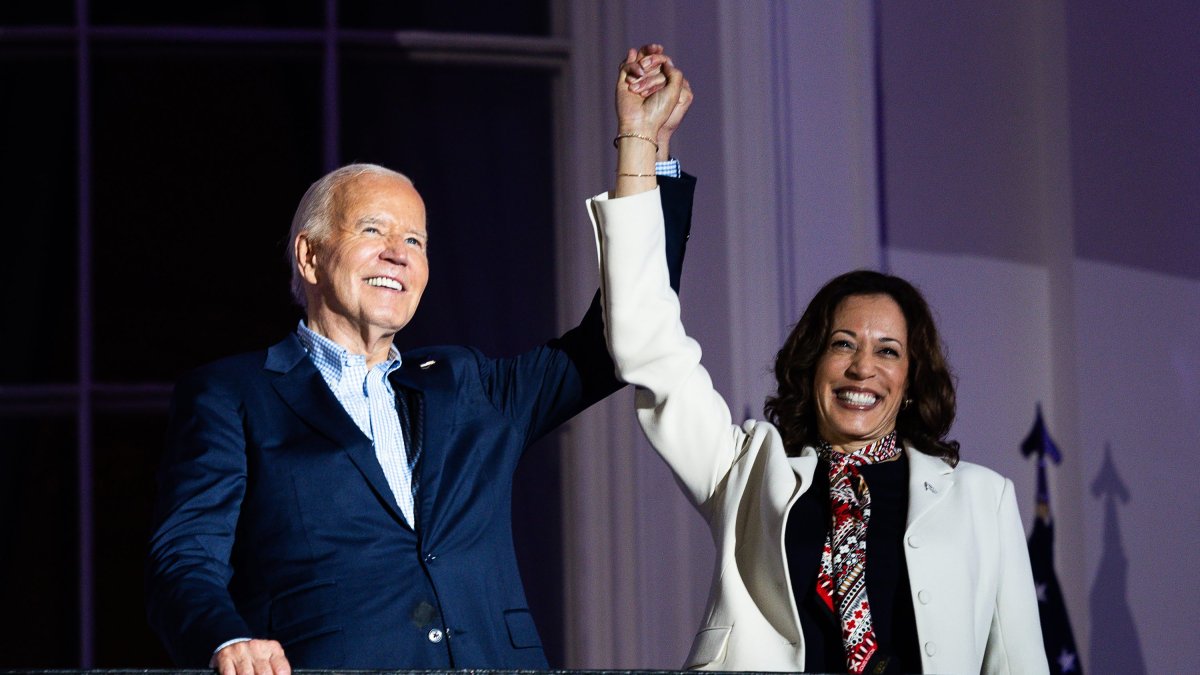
column 436, row 635
column 914, row 541
column 930, row 648
column 924, row 597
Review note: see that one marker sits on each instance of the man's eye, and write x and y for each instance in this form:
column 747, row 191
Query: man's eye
column 415, row 242
column 371, row 229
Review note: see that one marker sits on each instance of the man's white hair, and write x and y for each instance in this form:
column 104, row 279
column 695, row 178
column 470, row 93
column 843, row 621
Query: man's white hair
column 315, row 214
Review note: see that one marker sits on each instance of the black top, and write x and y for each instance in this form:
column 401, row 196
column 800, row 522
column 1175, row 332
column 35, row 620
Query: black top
column 887, row 572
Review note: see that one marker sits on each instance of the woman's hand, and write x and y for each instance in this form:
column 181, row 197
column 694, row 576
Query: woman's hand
column 647, row 79
column 651, row 99
column 648, row 92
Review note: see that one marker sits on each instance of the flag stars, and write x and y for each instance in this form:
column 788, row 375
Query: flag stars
column 1066, row 661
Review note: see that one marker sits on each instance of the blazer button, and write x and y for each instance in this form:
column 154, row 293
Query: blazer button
column 930, row 648
column 429, row 557
column 436, row 635
column 924, row 597
column 914, row 541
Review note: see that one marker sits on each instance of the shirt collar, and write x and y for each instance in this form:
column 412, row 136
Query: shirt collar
column 331, row 358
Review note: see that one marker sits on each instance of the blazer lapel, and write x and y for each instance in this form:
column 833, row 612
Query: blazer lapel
column 930, row 479
column 302, row 388
column 767, row 576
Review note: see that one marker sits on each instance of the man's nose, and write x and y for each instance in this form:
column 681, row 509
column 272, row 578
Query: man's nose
column 395, row 251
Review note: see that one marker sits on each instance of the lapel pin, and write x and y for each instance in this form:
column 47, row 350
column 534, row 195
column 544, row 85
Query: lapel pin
column 430, row 362
column 930, row 488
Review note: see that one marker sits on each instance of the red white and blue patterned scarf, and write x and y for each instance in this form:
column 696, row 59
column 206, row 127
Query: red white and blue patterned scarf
column 842, row 580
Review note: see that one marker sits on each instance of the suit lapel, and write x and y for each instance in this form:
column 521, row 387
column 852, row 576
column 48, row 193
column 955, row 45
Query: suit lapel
column 426, row 386
column 929, row 481
column 302, row 388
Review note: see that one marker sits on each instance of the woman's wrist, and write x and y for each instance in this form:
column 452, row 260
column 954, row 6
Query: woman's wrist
column 635, row 166
column 634, row 136
column 639, row 127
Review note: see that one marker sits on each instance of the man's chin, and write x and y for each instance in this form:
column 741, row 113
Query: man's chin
column 393, row 324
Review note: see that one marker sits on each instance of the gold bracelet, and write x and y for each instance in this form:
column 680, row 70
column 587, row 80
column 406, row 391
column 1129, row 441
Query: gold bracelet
column 638, row 175
column 630, row 134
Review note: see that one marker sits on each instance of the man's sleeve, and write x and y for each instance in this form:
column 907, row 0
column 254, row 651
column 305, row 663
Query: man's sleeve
column 201, row 483
column 553, row 383
column 677, row 195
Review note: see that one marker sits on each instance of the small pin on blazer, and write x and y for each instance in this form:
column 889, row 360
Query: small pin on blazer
column 930, row 488
column 430, row 362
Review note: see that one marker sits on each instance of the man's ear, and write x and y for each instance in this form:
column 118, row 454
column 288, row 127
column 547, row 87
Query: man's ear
column 306, row 258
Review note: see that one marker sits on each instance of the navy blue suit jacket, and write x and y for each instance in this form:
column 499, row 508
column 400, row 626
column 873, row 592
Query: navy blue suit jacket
column 274, row 519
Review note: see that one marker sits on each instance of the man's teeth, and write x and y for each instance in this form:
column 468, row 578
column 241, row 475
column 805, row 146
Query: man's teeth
column 385, row 283
column 857, row 397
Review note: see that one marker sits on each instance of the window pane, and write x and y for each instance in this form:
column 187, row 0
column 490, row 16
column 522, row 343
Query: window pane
column 524, row 17
column 267, row 13
column 127, row 450
column 39, row 557
column 41, row 13
column 204, row 155
column 477, row 143
column 37, row 134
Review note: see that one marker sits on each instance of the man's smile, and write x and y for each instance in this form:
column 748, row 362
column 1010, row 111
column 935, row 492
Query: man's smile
column 385, row 282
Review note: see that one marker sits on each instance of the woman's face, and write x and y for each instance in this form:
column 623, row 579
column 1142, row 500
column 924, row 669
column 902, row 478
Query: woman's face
column 862, row 375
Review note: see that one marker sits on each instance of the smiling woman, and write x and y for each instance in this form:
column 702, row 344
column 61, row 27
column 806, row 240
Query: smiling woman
column 854, row 459
column 865, row 354
column 862, row 376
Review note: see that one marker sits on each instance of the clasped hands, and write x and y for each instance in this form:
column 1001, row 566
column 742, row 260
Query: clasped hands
column 652, row 98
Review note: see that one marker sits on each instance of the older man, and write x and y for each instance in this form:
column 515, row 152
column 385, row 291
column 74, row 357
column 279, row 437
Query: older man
column 332, row 503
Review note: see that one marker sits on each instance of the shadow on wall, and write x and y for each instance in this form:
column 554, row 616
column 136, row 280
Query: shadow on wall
column 1115, row 641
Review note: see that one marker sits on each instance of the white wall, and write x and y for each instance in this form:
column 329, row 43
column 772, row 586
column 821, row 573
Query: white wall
column 1139, row 367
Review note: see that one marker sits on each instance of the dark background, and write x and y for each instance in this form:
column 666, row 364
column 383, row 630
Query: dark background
column 153, row 154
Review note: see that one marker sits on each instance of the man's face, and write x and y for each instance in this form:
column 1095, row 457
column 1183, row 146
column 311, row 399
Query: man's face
column 368, row 276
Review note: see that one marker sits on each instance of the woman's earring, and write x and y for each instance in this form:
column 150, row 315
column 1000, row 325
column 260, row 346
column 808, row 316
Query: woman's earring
column 904, row 405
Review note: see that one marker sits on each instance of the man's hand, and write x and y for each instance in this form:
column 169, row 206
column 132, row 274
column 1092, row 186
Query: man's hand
column 645, row 78
column 252, row 657
column 648, row 92
column 672, row 123
column 649, row 89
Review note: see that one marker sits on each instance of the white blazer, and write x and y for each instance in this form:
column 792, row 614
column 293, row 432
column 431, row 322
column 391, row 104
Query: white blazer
column 972, row 589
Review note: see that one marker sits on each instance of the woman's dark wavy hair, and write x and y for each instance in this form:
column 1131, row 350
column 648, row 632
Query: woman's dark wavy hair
column 924, row 423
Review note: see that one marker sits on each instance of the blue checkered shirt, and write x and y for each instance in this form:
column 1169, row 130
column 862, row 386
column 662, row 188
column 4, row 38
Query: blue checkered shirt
column 369, row 399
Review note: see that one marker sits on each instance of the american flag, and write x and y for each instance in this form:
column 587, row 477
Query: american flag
column 1056, row 625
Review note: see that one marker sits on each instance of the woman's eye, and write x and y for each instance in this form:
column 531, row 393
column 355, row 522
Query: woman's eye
column 841, row 345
